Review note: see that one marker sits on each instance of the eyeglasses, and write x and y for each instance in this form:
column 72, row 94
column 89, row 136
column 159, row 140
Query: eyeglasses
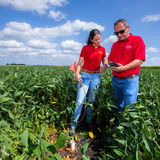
column 121, row 32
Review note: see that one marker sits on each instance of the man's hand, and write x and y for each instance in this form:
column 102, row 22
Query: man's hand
column 120, row 68
column 128, row 66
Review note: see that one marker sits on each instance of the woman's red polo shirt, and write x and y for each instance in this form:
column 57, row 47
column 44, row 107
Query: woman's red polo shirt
column 92, row 57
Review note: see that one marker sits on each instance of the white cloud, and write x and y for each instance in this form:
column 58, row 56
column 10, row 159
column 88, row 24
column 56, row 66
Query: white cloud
column 77, row 25
column 91, row 25
column 19, row 40
column 30, row 54
column 57, row 15
column 10, row 44
column 150, row 18
column 112, row 39
column 155, row 61
column 31, row 49
column 14, row 51
column 33, row 5
column 41, row 44
column 152, row 49
column 147, row 55
column 23, row 31
column 70, row 45
column 17, row 26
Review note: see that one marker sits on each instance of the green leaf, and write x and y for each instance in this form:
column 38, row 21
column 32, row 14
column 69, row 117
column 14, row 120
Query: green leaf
column 44, row 145
column 146, row 151
column 37, row 86
column 52, row 86
column 121, row 141
column 84, row 148
column 52, row 149
column 108, row 155
column 33, row 137
column 127, row 124
column 4, row 99
column 119, row 152
column 18, row 93
column 5, row 145
column 9, row 113
column 145, row 140
column 135, row 153
column 23, row 157
column 56, row 155
column 31, row 147
column 61, row 139
column 112, row 120
column 85, row 158
column 3, row 124
column 24, row 138
column 37, row 152
column 146, row 127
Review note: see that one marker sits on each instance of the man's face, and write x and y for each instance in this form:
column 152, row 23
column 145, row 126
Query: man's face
column 121, row 31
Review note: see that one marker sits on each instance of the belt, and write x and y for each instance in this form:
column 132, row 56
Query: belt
column 128, row 77
column 90, row 72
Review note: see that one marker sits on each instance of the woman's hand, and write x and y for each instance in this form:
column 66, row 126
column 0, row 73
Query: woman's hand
column 103, row 68
column 78, row 77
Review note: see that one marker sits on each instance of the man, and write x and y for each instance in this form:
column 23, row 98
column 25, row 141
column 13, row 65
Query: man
column 129, row 53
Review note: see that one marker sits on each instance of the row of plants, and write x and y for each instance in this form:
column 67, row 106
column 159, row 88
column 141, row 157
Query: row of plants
column 137, row 134
column 37, row 99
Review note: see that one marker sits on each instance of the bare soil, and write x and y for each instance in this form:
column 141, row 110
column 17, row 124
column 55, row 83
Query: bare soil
column 93, row 150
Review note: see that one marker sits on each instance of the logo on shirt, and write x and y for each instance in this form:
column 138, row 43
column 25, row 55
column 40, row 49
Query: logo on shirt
column 128, row 47
column 100, row 52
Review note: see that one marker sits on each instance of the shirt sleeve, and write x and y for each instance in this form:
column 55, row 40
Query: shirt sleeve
column 139, row 49
column 83, row 52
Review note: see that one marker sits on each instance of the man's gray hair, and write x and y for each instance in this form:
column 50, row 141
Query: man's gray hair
column 123, row 21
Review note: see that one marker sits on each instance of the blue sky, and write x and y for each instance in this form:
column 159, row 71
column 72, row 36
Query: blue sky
column 53, row 32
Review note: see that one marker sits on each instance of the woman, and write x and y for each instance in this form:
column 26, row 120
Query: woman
column 91, row 56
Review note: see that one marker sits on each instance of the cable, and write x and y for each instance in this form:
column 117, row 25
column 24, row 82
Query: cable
column 85, row 102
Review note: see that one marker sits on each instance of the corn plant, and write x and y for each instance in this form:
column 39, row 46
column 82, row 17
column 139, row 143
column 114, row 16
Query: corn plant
column 137, row 135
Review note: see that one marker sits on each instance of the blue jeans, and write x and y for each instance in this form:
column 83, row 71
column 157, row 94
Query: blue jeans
column 125, row 91
column 92, row 82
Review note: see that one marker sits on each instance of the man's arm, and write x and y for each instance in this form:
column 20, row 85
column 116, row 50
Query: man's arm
column 129, row 66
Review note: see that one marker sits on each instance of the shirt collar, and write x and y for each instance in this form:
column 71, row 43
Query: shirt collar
column 93, row 46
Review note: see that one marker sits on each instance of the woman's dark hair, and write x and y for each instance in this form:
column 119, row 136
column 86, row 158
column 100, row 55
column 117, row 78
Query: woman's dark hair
column 92, row 33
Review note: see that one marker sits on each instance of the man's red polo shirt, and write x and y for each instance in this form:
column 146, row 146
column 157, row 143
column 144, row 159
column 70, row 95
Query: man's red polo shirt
column 92, row 57
column 126, row 51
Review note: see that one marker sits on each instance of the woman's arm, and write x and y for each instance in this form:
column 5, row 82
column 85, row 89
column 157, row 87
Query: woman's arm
column 103, row 68
column 78, row 76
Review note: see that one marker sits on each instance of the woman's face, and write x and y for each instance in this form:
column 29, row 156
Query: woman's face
column 96, row 40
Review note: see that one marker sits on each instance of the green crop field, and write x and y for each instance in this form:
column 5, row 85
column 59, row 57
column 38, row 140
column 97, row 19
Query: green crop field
column 37, row 99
